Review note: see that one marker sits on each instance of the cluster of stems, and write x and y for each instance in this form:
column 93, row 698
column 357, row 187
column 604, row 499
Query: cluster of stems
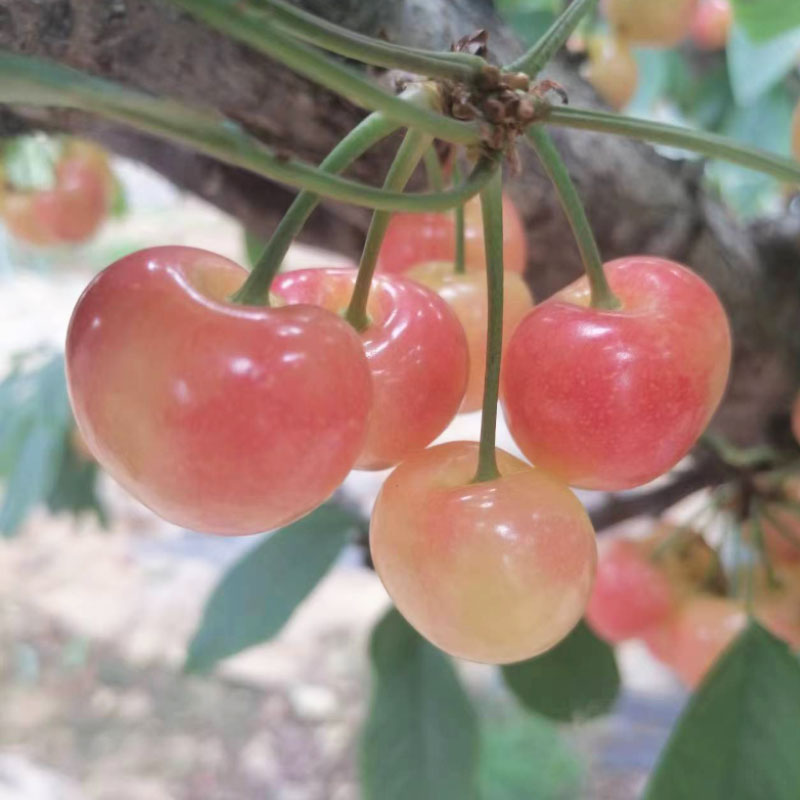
column 303, row 42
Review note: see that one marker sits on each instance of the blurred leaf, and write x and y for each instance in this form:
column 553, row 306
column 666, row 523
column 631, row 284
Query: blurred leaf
column 256, row 597
column 29, row 162
column 577, row 679
column 765, row 123
column 36, row 419
column 763, row 19
column 756, row 67
column 526, row 758
column 654, row 68
column 119, row 201
column 253, row 247
column 75, row 486
column 739, row 738
column 420, row 740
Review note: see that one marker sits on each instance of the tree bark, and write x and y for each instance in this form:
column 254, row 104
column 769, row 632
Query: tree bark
column 637, row 200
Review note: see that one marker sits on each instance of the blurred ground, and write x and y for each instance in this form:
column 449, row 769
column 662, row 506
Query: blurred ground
column 94, row 624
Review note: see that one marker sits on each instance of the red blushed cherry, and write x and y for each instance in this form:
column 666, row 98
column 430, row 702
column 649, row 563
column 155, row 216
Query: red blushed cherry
column 416, row 351
column 467, row 295
column 697, row 635
column 630, row 593
column 711, row 24
column 221, row 418
column 413, row 239
column 495, row 572
column 612, row 399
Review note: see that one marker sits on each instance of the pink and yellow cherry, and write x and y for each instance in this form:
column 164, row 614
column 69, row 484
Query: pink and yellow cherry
column 467, row 295
column 413, row 239
column 495, row 572
column 221, row 418
column 416, row 351
column 692, row 640
column 630, row 595
column 711, row 24
column 653, row 23
column 73, row 209
column 612, row 399
column 612, row 70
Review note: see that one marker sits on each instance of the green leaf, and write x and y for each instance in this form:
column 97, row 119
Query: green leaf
column 578, row 678
column 755, row 67
column 256, row 597
column 763, row 19
column 524, row 758
column 74, row 488
column 29, row 162
column 739, row 738
column 420, row 740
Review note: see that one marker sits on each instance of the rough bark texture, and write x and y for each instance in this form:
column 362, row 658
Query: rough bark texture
column 637, row 200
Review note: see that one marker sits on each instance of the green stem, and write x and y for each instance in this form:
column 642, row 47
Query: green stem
column 460, row 261
column 255, row 290
column 707, row 144
column 538, row 56
column 405, row 162
column 602, row 296
column 334, row 76
column 433, row 168
column 492, row 207
column 335, row 39
column 34, row 82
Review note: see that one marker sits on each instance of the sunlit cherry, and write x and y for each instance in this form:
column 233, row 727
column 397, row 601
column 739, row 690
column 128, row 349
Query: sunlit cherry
column 612, row 70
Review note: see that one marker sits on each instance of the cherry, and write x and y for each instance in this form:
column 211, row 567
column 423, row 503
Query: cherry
column 416, row 350
column 630, row 593
column 796, row 417
column 692, row 640
column 495, row 572
column 413, row 239
column 467, row 295
column 655, row 23
column 780, row 527
column 73, row 209
column 612, row 399
column 711, row 24
column 778, row 608
column 221, row 418
column 612, row 70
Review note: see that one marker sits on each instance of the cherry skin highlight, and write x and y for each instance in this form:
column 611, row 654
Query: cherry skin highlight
column 467, row 295
column 711, row 24
column 630, row 593
column 612, row 399
column 221, row 418
column 413, row 239
column 495, row 572
column 416, row 351
column 612, row 70
column 655, row 23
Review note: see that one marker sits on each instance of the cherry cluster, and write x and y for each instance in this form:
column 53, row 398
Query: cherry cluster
column 235, row 419
column 611, row 67
column 672, row 591
column 72, row 209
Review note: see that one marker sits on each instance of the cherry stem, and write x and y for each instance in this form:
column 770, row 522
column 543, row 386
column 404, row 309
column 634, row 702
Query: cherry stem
column 706, row 144
column 460, row 265
column 344, row 42
column 553, row 165
column 492, row 208
column 273, row 41
column 409, row 154
column 539, row 55
column 433, row 168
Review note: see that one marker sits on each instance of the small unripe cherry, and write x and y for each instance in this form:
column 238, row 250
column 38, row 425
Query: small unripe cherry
column 612, row 70
column 497, row 571
column 711, row 24
column 467, row 295
column 630, row 595
column 654, row 23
